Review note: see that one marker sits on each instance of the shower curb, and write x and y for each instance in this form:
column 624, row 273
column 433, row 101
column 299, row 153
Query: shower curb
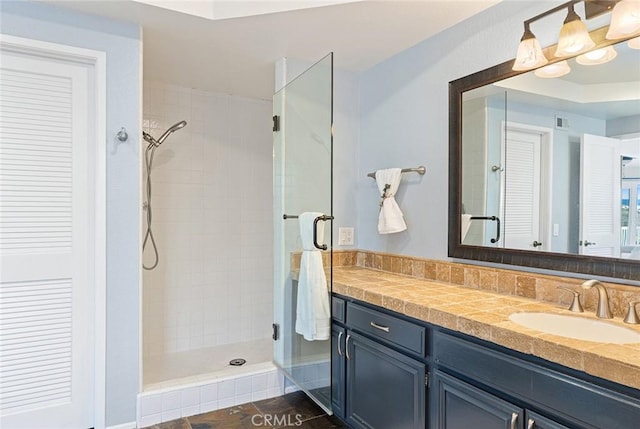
column 163, row 404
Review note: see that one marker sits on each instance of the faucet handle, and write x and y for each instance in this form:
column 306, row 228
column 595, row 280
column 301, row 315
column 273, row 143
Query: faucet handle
column 575, row 304
column 632, row 316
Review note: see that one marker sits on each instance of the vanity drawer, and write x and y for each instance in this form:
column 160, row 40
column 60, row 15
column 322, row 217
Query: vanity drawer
column 393, row 330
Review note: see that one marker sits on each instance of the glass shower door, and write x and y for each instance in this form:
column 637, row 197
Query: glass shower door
column 303, row 230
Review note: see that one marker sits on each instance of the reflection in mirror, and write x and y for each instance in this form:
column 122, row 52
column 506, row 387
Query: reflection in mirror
column 560, row 165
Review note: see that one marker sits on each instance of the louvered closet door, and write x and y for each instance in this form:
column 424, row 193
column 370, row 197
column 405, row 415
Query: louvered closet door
column 521, row 221
column 46, row 295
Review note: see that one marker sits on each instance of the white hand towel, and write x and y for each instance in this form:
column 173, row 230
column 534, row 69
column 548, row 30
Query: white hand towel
column 313, row 314
column 390, row 219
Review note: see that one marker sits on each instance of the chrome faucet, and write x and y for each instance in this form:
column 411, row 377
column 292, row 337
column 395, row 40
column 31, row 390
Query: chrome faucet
column 602, row 311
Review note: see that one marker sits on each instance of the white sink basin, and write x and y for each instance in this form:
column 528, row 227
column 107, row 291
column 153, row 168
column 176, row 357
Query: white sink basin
column 576, row 327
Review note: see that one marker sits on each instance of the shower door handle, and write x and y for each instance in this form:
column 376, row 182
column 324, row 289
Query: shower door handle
column 315, row 230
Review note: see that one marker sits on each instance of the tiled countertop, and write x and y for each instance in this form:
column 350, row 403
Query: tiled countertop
column 485, row 315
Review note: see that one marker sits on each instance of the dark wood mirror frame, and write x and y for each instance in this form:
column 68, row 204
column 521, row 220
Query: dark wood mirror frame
column 598, row 266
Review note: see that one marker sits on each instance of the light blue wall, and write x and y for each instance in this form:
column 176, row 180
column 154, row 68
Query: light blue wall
column 624, row 125
column 404, row 122
column 121, row 42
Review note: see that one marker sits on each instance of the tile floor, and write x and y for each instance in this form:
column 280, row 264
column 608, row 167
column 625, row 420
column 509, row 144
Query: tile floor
column 294, row 410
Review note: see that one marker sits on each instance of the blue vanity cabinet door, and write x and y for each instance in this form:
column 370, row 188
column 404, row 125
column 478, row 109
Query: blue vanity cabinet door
column 338, row 370
column 386, row 389
column 536, row 421
column 458, row 405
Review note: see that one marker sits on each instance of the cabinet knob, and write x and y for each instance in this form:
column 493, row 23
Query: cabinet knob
column 536, row 243
column 339, row 349
column 531, row 424
column 346, row 347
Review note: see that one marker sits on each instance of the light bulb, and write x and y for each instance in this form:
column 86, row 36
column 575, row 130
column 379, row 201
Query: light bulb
column 625, row 19
column 599, row 56
column 558, row 69
column 574, row 37
column 529, row 55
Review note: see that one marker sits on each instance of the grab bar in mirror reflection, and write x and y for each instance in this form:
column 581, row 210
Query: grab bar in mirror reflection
column 493, row 218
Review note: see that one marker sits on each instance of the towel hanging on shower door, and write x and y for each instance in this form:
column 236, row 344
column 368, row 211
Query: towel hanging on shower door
column 390, row 218
column 313, row 313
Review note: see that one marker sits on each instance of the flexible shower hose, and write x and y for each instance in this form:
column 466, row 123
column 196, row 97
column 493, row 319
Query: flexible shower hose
column 148, row 158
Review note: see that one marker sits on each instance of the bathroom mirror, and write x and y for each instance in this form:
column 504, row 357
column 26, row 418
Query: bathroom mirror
column 545, row 172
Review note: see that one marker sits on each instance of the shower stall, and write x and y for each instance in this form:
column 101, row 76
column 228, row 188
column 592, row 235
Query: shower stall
column 209, row 299
column 223, row 272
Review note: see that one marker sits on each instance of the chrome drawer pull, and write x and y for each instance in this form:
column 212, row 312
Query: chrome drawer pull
column 346, row 347
column 339, row 350
column 514, row 421
column 531, row 424
column 382, row 328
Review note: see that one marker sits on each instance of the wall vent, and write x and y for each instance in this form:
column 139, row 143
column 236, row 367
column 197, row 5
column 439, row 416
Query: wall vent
column 562, row 123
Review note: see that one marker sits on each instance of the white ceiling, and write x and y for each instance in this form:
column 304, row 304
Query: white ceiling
column 237, row 55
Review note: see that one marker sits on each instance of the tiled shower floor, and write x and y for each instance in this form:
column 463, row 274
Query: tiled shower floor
column 175, row 368
column 292, row 410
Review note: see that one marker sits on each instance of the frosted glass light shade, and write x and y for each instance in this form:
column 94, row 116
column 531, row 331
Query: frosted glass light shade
column 625, row 19
column 553, row 70
column 529, row 55
column 634, row 43
column 574, row 39
column 599, row 56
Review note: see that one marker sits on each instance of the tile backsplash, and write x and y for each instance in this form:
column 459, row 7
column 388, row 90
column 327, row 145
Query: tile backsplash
column 540, row 287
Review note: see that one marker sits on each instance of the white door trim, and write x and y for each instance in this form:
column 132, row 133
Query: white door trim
column 96, row 60
column 546, row 175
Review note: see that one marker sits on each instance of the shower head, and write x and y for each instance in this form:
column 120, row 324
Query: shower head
column 173, row 128
column 163, row 137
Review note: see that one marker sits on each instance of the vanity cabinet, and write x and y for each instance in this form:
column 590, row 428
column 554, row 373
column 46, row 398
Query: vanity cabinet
column 460, row 405
column 473, row 378
column 537, row 421
column 375, row 384
column 390, row 371
column 338, row 370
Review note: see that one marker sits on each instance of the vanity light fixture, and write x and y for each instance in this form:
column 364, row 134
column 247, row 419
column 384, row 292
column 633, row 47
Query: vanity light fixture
column 574, row 37
column 599, row 56
column 634, row 43
column 625, row 19
column 558, row 69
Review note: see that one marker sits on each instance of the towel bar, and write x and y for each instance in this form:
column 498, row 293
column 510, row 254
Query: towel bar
column 420, row 170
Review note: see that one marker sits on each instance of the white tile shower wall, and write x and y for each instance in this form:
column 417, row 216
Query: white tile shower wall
column 190, row 399
column 212, row 220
